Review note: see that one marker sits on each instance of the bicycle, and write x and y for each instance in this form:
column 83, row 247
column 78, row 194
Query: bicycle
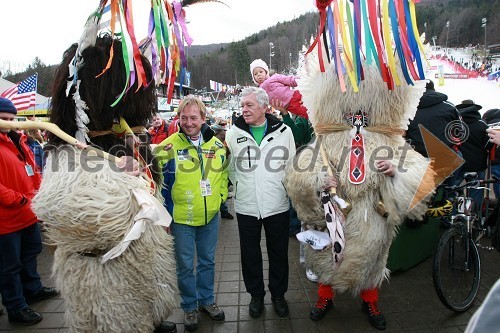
column 456, row 267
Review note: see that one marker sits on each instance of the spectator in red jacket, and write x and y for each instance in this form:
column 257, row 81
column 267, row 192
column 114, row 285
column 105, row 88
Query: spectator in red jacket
column 174, row 125
column 20, row 239
column 158, row 130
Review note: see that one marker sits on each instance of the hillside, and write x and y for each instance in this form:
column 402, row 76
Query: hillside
column 229, row 62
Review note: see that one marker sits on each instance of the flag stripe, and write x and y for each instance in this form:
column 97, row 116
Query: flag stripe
column 9, row 92
column 23, row 94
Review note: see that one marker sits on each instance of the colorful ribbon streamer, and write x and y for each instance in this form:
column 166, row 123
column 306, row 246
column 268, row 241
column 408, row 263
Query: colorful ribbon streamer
column 383, row 32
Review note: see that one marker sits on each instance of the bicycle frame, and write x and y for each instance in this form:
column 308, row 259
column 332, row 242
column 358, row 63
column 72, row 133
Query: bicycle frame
column 457, row 263
column 465, row 208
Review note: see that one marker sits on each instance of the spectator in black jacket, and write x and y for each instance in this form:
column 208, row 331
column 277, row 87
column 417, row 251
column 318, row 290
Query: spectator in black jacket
column 436, row 114
column 475, row 146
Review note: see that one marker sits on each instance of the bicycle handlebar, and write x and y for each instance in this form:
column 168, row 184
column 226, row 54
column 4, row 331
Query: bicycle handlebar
column 472, row 184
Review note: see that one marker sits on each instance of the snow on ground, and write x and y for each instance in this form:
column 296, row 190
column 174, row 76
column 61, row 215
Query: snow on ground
column 480, row 90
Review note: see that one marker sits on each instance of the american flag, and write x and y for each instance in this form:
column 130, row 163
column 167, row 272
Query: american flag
column 23, row 94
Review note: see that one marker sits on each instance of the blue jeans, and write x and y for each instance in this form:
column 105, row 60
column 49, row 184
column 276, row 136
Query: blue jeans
column 18, row 274
column 224, row 208
column 196, row 290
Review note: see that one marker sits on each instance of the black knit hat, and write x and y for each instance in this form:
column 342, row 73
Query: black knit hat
column 492, row 116
column 7, row 106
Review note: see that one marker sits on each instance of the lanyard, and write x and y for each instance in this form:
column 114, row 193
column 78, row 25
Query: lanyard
column 200, row 154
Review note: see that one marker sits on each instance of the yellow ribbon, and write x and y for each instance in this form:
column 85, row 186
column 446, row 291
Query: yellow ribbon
column 388, row 41
column 346, row 48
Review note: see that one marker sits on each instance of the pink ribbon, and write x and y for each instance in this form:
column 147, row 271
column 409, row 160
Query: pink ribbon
column 179, row 14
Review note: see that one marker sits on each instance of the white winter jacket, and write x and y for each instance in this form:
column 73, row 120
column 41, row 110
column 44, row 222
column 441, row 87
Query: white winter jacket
column 257, row 172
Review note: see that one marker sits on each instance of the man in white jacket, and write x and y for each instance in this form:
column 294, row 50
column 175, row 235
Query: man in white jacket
column 260, row 147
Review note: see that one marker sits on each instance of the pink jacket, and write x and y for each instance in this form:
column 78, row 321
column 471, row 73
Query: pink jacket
column 278, row 87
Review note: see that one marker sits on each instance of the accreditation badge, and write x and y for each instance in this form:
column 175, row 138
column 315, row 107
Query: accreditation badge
column 29, row 170
column 205, row 187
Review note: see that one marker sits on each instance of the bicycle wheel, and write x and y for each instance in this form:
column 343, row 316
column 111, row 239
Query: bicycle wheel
column 456, row 284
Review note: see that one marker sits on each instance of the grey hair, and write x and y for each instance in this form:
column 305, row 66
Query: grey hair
column 260, row 94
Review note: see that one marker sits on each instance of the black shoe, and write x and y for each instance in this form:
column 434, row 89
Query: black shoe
column 44, row 293
column 166, row 327
column 25, row 317
column 256, row 307
column 375, row 317
column 227, row 215
column 318, row 312
column 280, row 306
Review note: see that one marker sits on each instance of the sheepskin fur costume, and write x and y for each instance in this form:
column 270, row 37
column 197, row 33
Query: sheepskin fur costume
column 88, row 205
column 368, row 235
column 86, row 210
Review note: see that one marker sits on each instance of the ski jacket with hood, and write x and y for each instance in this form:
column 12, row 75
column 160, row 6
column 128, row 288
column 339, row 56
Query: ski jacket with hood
column 257, row 171
column 19, row 180
column 438, row 116
column 476, row 145
column 184, row 166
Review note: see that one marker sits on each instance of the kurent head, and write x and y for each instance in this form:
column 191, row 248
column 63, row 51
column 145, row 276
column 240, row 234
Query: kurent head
column 100, row 92
column 259, row 71
column 96, row 94
column 322, row 95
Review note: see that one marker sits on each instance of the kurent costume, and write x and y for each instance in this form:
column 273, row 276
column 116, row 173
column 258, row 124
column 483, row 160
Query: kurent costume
column 88, row 208
column 357, row 119
column 114, row 260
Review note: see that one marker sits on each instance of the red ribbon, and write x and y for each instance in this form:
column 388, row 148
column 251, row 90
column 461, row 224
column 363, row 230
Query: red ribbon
column 322, row 21
column 372, row 13
column 322, row 4
column 141, row 74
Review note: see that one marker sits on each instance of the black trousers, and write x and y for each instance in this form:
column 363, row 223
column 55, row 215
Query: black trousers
column 276, row 228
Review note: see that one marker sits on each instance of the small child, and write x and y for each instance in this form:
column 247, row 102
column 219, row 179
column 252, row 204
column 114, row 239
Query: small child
column 278, row 87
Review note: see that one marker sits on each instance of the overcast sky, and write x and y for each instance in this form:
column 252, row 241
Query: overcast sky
column 45, row 28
